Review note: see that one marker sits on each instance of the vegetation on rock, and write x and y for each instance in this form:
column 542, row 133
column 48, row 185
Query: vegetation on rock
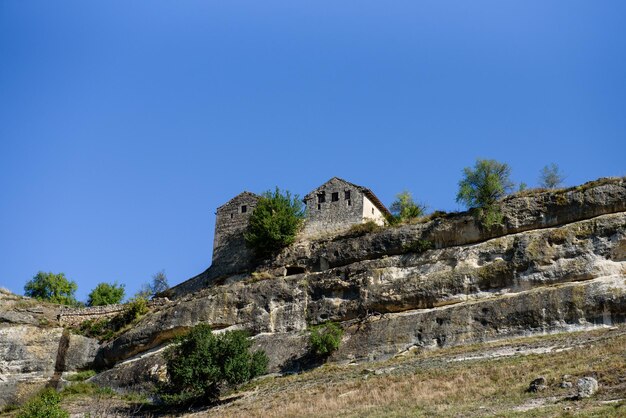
column 157, row 285
column 45, row 405
column 404, row 209
column 325, row 338
column 550, row 177
column 201, row 363
column 482, row 187
column 106, row 294
column 274, row 223
column 50, row 287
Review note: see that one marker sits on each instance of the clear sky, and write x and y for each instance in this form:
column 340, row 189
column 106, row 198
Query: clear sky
column 124, row 124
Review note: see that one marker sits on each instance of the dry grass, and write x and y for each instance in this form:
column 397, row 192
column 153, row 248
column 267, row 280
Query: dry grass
column 431, row 385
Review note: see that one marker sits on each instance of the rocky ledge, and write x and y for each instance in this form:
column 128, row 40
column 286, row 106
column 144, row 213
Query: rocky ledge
column 558, row 263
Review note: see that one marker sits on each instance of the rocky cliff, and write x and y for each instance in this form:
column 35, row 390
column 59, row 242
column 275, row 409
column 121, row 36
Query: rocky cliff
column 34, row 350
column 557, row 263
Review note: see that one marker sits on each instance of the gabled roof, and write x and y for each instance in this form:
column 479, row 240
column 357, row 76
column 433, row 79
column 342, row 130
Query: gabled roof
column 367, row 192
column 242, row 194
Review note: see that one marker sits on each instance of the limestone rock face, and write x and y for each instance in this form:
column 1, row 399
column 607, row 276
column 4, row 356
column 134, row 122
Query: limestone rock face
column 557, row 264
column 33, row 351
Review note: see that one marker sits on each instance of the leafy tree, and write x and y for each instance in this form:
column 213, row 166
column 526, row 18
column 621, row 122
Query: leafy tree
column 201, row 363
column 274, row 223
column 106, row 294
column 45, row 405
column 404, row 208
column 551, row 177
column 157, row 285
column 482, row 186
column 52, row 287
column 325, row 338
column 159, row 282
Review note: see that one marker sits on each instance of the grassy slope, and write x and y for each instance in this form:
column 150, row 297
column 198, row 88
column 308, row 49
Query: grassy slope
column 480, row 380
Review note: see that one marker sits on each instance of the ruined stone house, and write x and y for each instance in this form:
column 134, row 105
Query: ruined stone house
column 334, row 206
column 338, row 204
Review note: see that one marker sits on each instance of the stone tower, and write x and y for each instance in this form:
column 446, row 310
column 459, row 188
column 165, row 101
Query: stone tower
column 231, row 220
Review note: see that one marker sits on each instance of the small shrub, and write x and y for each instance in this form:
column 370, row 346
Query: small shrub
column 362, row 229
column 44, row 405
column 201, row 363
column 134, row 310
column 325, row 338
column 418, row 246
column 81, row 376
column 404, row 209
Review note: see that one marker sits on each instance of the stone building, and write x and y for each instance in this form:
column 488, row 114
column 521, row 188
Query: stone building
column 231, row 220
column 338, row 204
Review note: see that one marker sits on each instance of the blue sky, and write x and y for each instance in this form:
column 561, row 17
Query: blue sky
column 123, row 125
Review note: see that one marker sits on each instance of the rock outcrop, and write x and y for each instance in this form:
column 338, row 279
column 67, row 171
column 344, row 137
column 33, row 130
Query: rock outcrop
column 34, row 350
column 557, row 264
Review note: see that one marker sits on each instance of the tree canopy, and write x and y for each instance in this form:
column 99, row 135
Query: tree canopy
column 275, row 222
column 52, row 287
column 106, row 294
column 551, row 177
column 482, row 186
column 404, row 208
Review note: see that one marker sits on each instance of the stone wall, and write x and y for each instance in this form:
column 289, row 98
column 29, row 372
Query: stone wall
column 325, row 215
column 73, row 317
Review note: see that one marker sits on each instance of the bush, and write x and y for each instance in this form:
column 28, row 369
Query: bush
column 482, row 187
column 81, row 376
column 45, row 405
column 106, row 294
column 362, row 229
column 201, row 363
column 404, row 209
column 325, row 338
column 105, row 329
column 52, row 287
column 274, row 223
column 418, row 246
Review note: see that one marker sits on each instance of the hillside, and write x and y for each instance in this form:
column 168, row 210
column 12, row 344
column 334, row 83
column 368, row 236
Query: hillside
column 438, row 301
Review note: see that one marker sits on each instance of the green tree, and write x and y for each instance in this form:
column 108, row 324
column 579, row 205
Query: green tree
column 106, row 294
column 405, row 209
column 274, row 223
column 551, row 177
column 482, row 186
column 52, row 287
column 201, row 363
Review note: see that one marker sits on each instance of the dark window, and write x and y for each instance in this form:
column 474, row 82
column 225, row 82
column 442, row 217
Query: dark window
column 321, row 197
column 231, row 216
column 372, row 211
column 347, row 194
column 334, row 197
column 349, row 202
column 319, row 207
column 244, row 208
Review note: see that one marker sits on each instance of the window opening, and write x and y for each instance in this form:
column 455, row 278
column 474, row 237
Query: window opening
column 372, row 211
column 334, row 197
column 244, row 208
column 349, row 203
column 347, row 195
column 321, row 197
column 319, row 206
